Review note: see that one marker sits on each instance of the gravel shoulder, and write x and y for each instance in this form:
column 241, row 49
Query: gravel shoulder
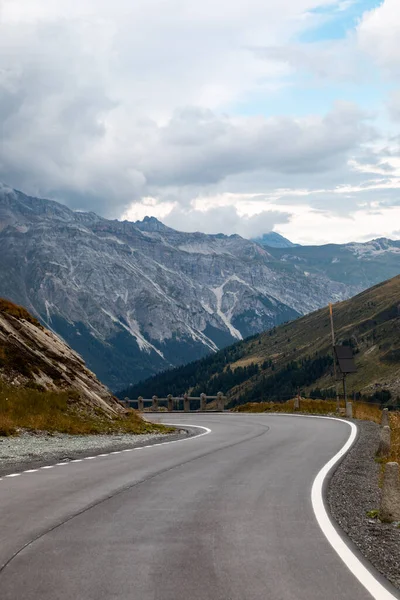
column 31, row 451
column 353, row 491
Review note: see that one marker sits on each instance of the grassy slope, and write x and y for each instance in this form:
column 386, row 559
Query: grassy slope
column 19, row 312
column 32, row 410
column 27, row 405
column 369, row 321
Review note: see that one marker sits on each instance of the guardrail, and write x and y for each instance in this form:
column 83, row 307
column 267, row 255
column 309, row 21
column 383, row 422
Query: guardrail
column 176, row 403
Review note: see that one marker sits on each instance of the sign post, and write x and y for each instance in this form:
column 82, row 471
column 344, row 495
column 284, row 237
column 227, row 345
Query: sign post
column 334, row 359
column 345, row 358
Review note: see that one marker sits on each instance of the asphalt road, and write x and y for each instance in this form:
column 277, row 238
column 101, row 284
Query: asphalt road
column 225, row 516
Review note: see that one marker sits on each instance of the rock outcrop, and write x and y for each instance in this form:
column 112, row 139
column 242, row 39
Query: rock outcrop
column 32, row 356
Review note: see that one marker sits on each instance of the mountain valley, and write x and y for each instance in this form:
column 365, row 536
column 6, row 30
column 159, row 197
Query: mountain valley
column 135, row 299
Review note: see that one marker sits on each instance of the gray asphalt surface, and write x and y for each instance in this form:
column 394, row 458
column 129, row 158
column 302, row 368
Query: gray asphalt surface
column 226, row 516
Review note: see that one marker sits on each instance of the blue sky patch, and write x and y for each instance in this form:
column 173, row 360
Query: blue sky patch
column 333, row 23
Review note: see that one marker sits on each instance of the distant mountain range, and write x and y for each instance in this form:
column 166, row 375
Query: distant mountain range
column 138, row 298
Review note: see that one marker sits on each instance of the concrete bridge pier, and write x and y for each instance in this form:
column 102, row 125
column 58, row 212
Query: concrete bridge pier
column 186, row 403
column 154, row 405
column 203, row 402
column 170, row 403
column 140, row 403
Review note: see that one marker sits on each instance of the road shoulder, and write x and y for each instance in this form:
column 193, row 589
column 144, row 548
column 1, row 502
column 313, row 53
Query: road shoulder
column 353, row 492
column 34, row 451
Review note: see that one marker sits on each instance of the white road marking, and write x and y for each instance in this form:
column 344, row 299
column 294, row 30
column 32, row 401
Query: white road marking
column 206, row 432
column 79, row 460
column 360, row 571
column 352, row 562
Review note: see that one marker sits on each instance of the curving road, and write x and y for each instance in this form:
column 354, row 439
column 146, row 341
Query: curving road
column 224, row 516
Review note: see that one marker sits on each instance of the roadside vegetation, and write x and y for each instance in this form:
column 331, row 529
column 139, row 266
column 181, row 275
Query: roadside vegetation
column 19, row 312
column 361, row 410
column 395, row 439
column 25, row 409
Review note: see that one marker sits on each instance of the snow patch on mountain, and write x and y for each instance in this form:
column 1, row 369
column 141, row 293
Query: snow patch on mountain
column 134, row 330
column 226, row 318
column 374, row 248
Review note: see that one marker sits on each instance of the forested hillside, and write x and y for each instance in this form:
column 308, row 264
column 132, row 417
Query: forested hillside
column 273, row 365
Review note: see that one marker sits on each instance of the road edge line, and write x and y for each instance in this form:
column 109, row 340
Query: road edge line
column 206, row 431
column 352, row 562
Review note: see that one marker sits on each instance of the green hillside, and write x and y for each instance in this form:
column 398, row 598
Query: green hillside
column 273, row 365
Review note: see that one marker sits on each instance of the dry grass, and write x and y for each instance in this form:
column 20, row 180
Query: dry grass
column 364, row 411
column 61, row 412
column 306, row 406
column 395, row 437
column 367, row 412
column 19, row 312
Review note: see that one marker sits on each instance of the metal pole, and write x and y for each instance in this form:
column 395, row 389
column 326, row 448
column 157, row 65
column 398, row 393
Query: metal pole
column 334, row 359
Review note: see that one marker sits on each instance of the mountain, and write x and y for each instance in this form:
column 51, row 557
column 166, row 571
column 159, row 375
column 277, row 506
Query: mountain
column 353, row 264
column 138, row 298
column 33, row 357
column 274, row 240
column 273, row 365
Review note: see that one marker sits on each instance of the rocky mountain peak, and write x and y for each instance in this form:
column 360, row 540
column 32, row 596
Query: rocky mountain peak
column 274, row 240
column 152, row 224
column 137, row 298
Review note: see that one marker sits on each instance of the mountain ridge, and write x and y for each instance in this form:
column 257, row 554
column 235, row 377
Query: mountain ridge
column 273, row 240
column 137, row 298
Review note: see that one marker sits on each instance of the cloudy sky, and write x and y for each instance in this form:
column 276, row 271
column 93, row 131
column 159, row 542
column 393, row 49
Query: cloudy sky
column 215, row 115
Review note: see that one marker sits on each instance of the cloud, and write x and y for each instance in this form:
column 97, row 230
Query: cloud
column 378, row 35
column 125, row 107
column 198, row 147
column 336, row 60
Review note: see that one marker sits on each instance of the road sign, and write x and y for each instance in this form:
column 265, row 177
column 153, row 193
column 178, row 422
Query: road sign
column 345, row 358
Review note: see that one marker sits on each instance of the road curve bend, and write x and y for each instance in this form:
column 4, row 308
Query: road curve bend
column 227, row 515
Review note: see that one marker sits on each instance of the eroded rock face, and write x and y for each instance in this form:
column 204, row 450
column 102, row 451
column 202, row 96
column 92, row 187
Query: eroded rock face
column 31, row 354
column 137, row 298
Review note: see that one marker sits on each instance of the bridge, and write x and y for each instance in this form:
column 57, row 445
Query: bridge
column 177, row 403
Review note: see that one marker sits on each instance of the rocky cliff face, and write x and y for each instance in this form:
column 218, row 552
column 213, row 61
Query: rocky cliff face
column 32, row 356
column 137, row 298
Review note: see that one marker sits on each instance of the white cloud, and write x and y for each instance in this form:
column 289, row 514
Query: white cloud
column 128, row 108
column 378, row 35
column 313, row 227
